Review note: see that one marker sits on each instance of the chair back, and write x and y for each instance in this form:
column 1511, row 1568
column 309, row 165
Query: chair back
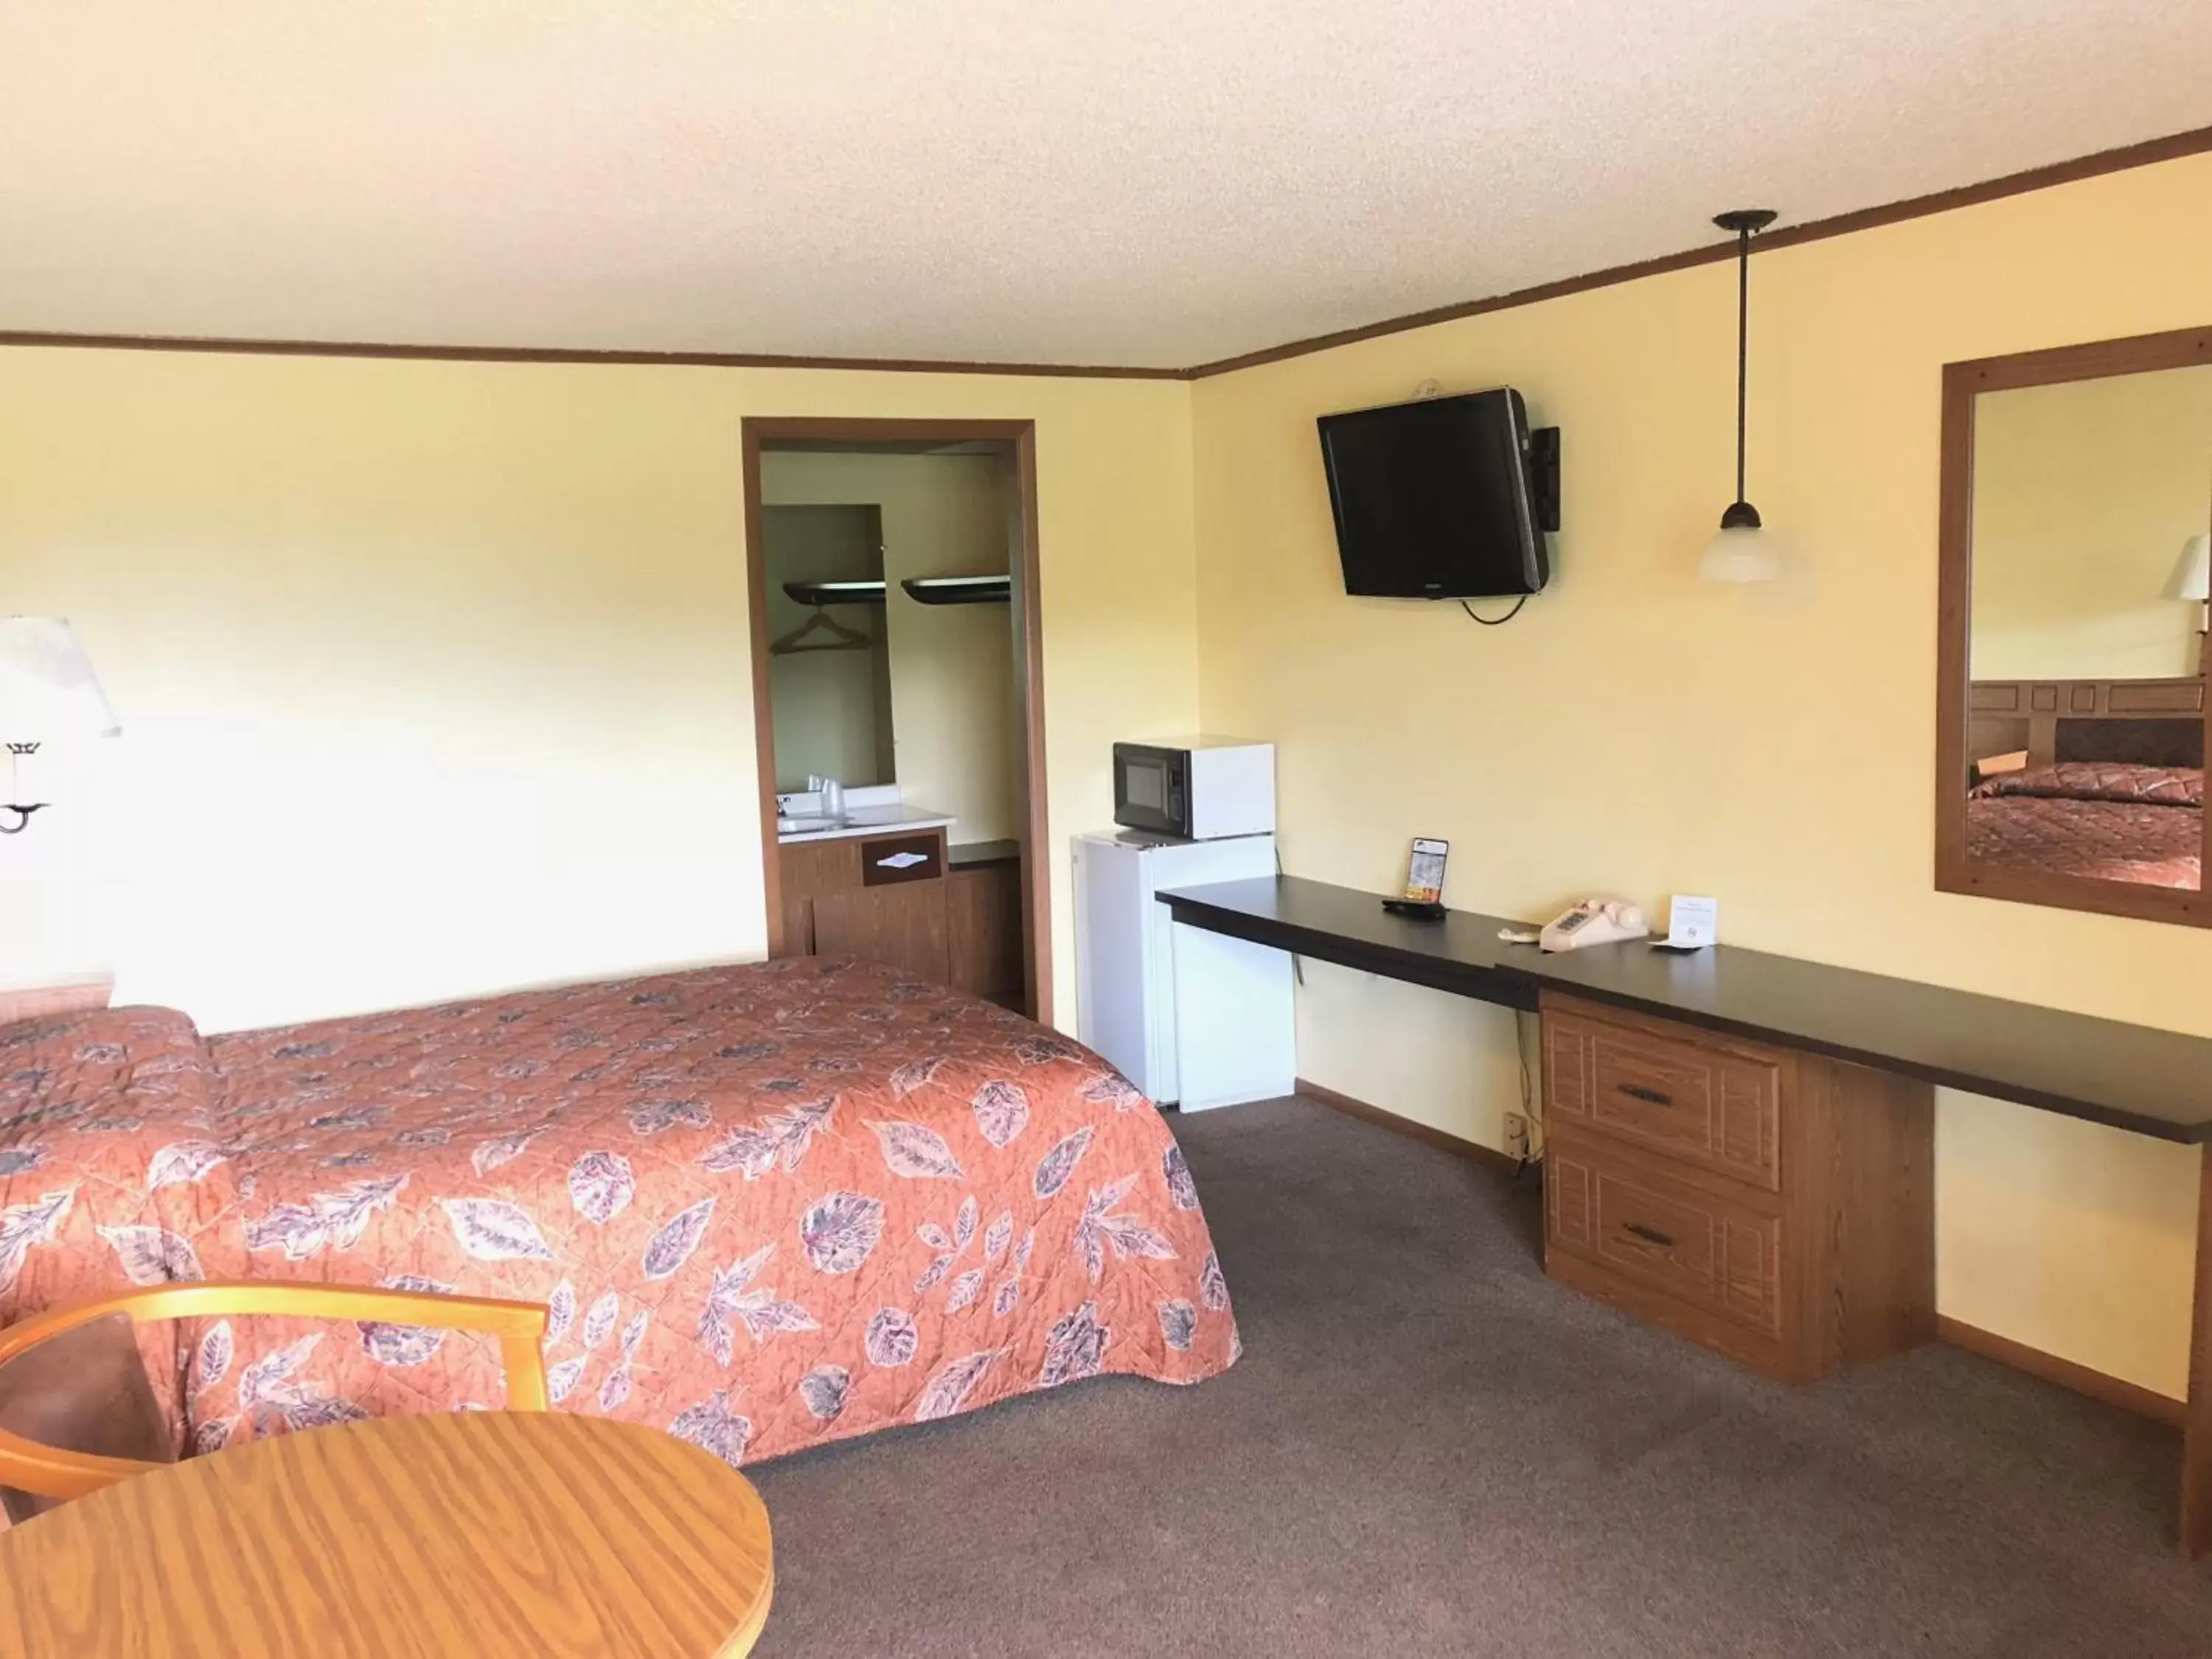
column 77, row 1411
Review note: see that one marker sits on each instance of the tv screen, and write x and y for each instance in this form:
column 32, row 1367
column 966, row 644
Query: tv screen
column 1432, row 499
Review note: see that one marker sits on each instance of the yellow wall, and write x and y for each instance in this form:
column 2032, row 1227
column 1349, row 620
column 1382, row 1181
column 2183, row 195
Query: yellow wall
column 1635, row 733
column 953, row 714
column 435, row 677
column 2084, row 493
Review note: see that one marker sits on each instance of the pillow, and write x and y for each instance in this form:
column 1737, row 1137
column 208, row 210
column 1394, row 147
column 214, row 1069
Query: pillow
column 2141, row 786
column 1991, row 766
column 110, row 1064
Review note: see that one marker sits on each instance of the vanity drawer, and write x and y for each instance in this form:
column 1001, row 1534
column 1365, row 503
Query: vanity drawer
column 1722, row 1256
column 1714, row 1108
column 889, row 859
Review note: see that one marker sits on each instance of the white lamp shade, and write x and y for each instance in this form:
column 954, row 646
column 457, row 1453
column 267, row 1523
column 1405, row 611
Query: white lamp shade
column 1742, row 553
column 2192, row 571
column 48, row 692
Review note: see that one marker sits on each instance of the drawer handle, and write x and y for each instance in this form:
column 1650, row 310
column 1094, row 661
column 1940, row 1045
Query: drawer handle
column 1649, row 1235
column 1638, row 1091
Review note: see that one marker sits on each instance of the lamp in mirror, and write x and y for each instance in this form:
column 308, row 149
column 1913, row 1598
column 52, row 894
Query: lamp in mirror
column 2192, row 580
column 1742, row 550
column 48, row 694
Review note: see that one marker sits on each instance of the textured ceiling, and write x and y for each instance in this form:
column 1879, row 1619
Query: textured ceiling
column 1154, row 182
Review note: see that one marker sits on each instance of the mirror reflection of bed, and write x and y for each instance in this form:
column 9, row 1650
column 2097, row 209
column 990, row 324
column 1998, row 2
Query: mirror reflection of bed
column 2092, row 504
column 2098, row 790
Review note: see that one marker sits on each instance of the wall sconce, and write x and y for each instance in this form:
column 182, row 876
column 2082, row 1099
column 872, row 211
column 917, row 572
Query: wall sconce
column 48, row 694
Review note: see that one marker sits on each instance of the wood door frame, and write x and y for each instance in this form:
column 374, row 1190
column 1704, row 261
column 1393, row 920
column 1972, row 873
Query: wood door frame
column 759, row 432
column 1956, row 872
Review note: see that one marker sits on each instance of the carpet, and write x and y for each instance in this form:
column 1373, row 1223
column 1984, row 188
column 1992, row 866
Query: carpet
column 1428, row 1448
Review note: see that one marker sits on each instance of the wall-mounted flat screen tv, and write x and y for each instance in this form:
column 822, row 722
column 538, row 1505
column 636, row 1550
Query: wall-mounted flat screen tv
column 1446, row 498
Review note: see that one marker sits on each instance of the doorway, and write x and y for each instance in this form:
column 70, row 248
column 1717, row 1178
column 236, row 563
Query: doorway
column 892, row 572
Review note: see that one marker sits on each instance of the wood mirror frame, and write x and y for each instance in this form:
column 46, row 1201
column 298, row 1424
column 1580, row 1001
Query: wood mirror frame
column 1956, row 872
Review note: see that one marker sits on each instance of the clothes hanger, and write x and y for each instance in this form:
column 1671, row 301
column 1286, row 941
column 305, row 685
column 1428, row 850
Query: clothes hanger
column 841, row 637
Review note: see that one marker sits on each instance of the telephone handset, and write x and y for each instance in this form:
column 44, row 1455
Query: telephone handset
column 1594, row 922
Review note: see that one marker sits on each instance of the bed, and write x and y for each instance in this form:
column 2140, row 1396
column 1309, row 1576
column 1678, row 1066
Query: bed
column 2108, row 822
column 767, row 1206
column 2097, row 779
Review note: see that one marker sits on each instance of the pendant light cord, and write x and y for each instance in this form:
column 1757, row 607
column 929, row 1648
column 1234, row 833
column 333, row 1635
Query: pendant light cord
column 1742, row 343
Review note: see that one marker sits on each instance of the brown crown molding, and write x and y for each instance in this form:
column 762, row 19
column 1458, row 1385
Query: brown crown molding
column 1815, row 230
column 2147, row 153
column 454, row 354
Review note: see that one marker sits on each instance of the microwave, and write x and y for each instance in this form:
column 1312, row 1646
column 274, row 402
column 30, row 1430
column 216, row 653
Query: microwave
column 1195, row 788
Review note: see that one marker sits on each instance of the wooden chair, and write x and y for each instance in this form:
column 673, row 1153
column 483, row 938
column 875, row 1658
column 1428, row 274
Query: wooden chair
column 76, row 1411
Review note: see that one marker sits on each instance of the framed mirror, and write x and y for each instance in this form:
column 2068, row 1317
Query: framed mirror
column 2077, row 541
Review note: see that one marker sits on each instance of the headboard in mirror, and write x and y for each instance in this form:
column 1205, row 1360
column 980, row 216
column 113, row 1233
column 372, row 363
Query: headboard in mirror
column 2076, row 500
column 2147, row 722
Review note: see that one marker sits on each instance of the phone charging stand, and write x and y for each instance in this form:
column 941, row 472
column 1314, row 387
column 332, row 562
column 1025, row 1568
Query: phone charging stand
column 1415, row 908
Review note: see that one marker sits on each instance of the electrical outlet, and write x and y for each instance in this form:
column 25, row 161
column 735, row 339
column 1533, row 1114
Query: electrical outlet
column 1517, row 1135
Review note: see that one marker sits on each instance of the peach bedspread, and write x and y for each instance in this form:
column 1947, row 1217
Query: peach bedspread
column 769, row 1206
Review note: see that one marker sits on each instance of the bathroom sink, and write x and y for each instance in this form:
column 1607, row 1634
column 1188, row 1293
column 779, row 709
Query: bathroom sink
column 806, row 826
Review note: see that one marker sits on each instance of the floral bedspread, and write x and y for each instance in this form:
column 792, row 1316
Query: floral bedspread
column 767, row 1206
column 2104, row 838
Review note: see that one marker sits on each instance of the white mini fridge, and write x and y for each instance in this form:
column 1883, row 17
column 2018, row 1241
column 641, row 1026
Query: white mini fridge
column 1233, row 1039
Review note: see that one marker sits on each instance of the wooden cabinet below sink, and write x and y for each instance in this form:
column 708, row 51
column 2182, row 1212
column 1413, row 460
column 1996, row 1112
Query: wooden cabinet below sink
column 906, row 899
column 983, row 939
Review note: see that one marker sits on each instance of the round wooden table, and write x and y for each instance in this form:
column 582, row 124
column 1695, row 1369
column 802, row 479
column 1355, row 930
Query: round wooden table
column 483, row 1534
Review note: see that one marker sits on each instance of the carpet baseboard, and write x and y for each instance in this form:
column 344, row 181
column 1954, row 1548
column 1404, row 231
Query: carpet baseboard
column 2050, row 1367
column 2066, row 1373
column 1488, row 1157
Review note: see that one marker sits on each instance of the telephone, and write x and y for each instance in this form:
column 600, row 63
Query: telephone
column 1594, row 922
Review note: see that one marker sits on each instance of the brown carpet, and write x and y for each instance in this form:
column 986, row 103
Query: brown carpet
column 1427, row 1449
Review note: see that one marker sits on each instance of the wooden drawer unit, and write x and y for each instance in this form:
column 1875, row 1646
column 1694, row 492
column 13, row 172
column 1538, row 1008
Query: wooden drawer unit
column 1713, row 1252
column 1775, row 1207
column 1702, row 1104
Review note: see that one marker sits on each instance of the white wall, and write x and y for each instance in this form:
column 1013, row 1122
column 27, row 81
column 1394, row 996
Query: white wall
column 435, row 677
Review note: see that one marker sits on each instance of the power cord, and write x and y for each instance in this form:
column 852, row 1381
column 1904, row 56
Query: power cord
column 1531, row 1158
column 1496, row 621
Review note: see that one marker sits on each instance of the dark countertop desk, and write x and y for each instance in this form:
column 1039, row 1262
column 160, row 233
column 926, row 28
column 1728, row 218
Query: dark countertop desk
column 2132, row 1077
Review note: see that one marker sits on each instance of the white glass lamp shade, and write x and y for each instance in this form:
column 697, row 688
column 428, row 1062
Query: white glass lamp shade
column 1739, row 555
column 48, row 692
column 1742, row 549
column 2192, row 571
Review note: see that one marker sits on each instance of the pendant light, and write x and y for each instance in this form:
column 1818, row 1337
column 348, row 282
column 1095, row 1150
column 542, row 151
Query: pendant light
column 1741, row 551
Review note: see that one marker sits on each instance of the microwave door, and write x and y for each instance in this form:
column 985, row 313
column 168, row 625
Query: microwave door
column 1144, row 792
